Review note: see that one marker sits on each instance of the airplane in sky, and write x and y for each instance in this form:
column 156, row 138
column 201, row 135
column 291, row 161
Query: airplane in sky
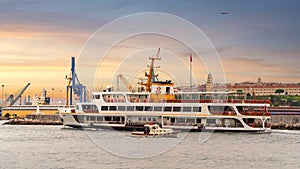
column 224, row 13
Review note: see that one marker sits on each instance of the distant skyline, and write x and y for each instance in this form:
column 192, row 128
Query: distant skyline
column 256, row 39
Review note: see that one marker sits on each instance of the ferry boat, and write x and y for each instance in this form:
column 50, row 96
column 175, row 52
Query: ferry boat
column 159, row 102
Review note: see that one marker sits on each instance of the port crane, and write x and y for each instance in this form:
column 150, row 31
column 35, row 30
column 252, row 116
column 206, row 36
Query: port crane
column 12, row 98
column 74, row 86
column 78, row 88
column 129, row 87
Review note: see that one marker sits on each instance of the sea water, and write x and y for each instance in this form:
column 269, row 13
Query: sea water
column 61, row 147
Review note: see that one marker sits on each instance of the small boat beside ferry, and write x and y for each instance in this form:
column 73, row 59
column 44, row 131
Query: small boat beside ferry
column 161, row 103
column 154, row 130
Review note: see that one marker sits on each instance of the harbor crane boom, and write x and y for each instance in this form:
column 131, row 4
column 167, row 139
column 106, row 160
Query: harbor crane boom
column 129, row 87
column 11, row 100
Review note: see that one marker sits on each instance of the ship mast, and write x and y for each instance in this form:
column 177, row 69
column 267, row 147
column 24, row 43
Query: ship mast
column 150, row 75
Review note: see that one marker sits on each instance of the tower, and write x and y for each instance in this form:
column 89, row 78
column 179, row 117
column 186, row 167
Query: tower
column 209, row 83
column 259, row 83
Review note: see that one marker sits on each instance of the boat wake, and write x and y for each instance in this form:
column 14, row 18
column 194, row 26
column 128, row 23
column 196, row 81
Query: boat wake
column 296, row 132
column 3, row 121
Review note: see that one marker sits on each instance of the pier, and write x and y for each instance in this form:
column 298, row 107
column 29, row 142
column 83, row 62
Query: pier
column 32, row 119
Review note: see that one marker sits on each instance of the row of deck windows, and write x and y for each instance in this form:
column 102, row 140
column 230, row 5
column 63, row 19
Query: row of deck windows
column 82, row 118
column 151, row 108
column 147, row 119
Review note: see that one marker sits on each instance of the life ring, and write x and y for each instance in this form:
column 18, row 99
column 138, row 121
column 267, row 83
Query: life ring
column 158, row 90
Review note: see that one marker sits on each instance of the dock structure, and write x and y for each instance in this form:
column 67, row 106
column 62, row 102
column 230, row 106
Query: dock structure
column 35, row 119
column 22, row 111
column 285, row 118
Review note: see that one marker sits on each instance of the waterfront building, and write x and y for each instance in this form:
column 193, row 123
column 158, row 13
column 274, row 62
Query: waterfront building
column 260, row 88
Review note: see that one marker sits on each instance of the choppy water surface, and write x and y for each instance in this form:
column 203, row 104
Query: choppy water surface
column 58, row 147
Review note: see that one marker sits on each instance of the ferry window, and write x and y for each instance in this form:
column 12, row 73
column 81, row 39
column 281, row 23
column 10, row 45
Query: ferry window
column 116, row 118
column 97, row 96
column 190, row 120
column 177, row 96
column 187, row 109
column 140, row 119
column 211, row 121
column 214, row 109
column 90, row 108
column 172, row 120
column 130, row 108
column 87, row 108
column 195, row 96
column 186, row 96
column 148, row 108
column 106, row 98
column 104, row 108
column 176, row 109
column 180, row 120
column 168, row 90
column 229, row 108
column 77, row 107
column 153, row 119
column 80, row 119
column 168, row 108
column 107, row 118
column 196, row 109
column 95, row 108
column 157, row 108
column 198, row 120
column 144, row 119
column 121, row 108
column 139, row 108
column 92, row 118
column 99, row 118
column 240, row 108
column 149, row 118
column 112, row 108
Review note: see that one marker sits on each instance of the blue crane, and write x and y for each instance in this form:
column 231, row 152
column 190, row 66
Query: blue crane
column 77, row 88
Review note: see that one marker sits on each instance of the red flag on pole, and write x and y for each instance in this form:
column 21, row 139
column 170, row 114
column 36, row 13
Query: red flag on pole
column 191, row 59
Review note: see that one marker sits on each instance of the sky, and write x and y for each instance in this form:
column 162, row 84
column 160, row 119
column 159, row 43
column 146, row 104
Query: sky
column 38, row 38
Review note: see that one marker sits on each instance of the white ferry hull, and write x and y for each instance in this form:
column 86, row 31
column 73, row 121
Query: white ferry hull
column 225, row 129
column 70, row 121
